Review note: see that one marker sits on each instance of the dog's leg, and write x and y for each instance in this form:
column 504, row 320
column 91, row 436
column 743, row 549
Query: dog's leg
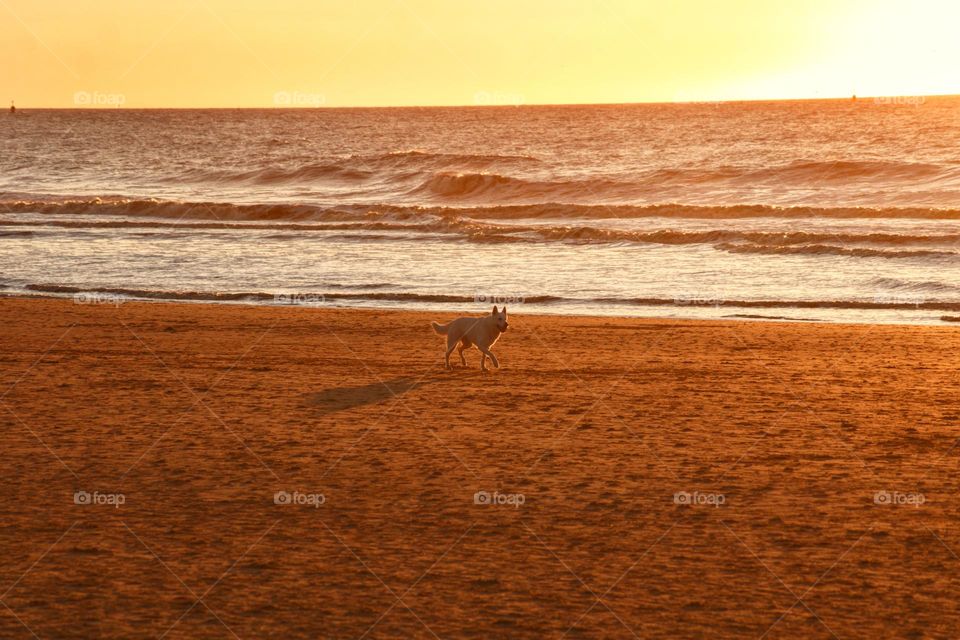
column 460, row 349
column 493, row 358
column 451, row 345
column 483, row 362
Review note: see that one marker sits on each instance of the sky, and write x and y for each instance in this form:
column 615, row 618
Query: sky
column 311, row 53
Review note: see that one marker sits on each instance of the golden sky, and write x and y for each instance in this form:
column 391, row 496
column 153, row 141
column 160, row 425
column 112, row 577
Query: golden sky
column 263, row 53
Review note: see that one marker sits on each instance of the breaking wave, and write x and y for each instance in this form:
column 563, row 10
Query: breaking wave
column 392, row 223
column 394, row 166
column 493, row 187
column 831, row 250
column 226, row 211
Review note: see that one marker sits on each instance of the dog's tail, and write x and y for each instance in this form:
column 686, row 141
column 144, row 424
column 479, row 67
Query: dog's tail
column 439, row 328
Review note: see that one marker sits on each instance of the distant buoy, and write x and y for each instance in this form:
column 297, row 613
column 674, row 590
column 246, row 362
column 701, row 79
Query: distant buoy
column 13, row 109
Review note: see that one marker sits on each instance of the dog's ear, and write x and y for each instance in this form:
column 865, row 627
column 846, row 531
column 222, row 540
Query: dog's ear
column 494, row 312
column 504, row 309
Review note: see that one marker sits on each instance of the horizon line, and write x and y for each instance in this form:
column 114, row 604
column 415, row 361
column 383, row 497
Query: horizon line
column 850, row 98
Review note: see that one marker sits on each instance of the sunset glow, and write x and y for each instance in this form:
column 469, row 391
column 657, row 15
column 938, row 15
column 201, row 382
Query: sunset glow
column 250, row 53
column 506, row 319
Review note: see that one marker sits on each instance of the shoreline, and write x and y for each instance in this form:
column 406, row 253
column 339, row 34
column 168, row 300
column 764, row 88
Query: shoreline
column 94, row 297
column 662, row 477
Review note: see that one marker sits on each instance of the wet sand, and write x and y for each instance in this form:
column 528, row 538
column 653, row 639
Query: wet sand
column 657, row 478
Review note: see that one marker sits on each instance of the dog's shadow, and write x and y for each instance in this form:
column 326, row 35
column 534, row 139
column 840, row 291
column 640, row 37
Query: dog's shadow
column 343, row 398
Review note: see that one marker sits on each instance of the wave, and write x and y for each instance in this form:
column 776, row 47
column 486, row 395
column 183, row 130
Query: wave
column 374, row 225
column 88, row 223
column 497, row 187
column 701, row 212
column 470, row 184
column 354, row 168
column 112, row 205
column 760, row 316
column 278, row 175
column 844, row 170
column 912, row 286
column 708, row 301
column 801, row 172
column 734, row 240
column 357, row 294
column 506, row 178
column 155, row 208
column 420, row 158
column 280, row 297
column 823, row 250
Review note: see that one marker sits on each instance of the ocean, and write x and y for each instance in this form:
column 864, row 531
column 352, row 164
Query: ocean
column 818, row 210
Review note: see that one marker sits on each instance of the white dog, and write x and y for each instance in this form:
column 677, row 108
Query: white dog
column 481, row 333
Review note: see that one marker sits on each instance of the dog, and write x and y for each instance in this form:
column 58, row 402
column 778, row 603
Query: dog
column 480, row 332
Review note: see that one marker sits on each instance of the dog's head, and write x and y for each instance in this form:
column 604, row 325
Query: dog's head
column 501, row 317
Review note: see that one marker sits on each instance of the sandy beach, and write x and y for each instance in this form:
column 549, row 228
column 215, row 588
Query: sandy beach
column 643, row 478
